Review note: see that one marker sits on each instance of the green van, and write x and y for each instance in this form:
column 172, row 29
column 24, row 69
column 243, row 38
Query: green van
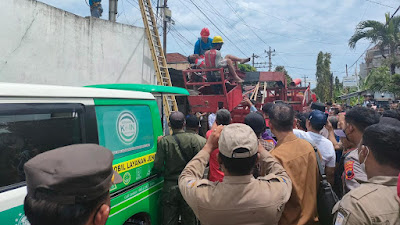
column 38, row 118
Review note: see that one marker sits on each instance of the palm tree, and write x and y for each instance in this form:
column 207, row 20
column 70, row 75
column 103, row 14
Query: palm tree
column 384, row 35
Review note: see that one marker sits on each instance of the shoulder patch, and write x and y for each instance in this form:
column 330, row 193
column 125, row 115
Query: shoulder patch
column 349, row 170
column 362, row 191
column 341, row 216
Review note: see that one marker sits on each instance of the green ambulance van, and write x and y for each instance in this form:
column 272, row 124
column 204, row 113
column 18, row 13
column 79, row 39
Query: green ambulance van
column 38, row 118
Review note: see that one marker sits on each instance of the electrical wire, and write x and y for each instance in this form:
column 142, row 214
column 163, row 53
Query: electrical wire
column 378, row 3
column 233, row 43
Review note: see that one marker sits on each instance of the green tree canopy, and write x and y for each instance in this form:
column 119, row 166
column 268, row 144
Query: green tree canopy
column 385, row 35
column 283, row 70
column 323, row 76
column 246, row 68
column 380, row 79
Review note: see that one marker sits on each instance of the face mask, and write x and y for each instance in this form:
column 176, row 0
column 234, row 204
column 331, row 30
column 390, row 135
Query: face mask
column 363, row 163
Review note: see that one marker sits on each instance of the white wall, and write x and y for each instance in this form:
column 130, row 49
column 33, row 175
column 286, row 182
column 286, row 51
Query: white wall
column 45, row 45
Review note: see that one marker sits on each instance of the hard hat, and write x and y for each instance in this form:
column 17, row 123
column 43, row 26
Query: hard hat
column 205, row 32
column 217, row 40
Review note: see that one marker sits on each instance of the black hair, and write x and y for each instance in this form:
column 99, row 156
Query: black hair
column 392, row 114
column 192, row 121
column 190, row 60
column 239, row 166
column 266, row 107
column 317, row 127
column 281, row 117
column 301, row 118
column 177, row 120
column 334, row 121
column 223, row 117
column 383, row 140
column 362, row 117
column 43, row 212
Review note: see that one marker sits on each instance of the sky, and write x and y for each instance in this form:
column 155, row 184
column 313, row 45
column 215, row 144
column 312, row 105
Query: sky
column 296, row 30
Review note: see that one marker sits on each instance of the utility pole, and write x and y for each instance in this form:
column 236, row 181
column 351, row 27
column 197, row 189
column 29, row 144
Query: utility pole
column 269, row 52
column 347, row 73
column 112, row 12
column 305, row 80
column 165, row 30
column 331, row 87
column 254, row 56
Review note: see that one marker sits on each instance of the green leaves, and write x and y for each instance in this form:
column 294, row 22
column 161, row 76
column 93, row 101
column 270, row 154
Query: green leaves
column 323, row 76
column 380, row 79
column 246, row 68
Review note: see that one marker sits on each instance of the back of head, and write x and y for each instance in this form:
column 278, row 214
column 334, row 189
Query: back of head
column 361, row 117
column 192, row 122
column 78, row 184
column 223, row 117
column 177, row 120
column 301, row 120
column 318, row 106
column 238, row 147
column 334, row 121
column 281, row 117
column 256, row 122
column 317, row 120
column 266, row 107
column 383, row 140
column 392, row 114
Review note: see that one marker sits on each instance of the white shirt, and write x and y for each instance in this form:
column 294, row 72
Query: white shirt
column 211, row 120
column 324, row 146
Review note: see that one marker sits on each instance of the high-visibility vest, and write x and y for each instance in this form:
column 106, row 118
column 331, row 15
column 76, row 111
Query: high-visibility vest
column 200, row 62
column 210, row 56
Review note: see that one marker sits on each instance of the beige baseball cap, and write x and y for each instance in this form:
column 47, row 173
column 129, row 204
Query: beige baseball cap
column 238, row 136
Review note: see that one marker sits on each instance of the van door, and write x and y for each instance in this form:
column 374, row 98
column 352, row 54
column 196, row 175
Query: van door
column 28, row 129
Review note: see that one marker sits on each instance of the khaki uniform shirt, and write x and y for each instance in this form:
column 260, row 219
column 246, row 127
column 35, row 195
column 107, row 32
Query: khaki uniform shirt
column 238, row 199
column 353, row 173
column 169, row 159
column 374, row 202
column 298, row 158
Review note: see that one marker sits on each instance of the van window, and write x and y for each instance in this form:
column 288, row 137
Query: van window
column 29, row 129
column 125, row 129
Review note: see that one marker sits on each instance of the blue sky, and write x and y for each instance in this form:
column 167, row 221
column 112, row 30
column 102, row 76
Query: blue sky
column 297, row 30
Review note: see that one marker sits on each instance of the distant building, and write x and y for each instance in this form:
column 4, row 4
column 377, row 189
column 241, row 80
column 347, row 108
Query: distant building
column 374, row 59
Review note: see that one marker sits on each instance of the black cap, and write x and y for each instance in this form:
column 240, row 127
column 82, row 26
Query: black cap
column 71, row 174
column 318, row 106
column 256, row 122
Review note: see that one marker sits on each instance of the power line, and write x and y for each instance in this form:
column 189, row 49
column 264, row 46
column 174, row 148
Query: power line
column 217, row 27
column 378, row 3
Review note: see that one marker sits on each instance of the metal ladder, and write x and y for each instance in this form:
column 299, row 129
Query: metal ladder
column 157, row 53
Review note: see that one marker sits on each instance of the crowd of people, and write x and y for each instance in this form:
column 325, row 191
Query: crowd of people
column 265, row 171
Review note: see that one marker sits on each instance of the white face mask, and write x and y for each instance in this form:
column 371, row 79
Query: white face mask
column 363, row 163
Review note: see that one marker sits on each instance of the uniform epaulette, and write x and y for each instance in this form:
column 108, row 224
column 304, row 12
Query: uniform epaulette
column 362, row 191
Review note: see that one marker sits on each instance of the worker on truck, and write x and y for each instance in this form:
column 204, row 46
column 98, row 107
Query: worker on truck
column 213, row 59
column 204, row 43
column 95, row 8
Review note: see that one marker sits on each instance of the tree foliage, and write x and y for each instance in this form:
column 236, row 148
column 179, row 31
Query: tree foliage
column 385, row 35
column 380, row 79
column 246, row 68
column 323, row 76
column 283, row 70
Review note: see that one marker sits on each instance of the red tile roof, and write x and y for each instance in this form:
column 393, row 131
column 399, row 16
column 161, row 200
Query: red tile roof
column 176, row 58
column 272, row 76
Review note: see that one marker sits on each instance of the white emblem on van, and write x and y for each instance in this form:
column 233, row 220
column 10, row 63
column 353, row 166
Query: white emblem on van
column 127, row 127
column 22, row 220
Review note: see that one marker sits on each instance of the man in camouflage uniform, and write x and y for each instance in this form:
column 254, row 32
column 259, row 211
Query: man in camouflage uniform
column 173, row 153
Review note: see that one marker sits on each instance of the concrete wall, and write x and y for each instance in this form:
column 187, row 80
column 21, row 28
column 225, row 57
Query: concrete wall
column 45, row 45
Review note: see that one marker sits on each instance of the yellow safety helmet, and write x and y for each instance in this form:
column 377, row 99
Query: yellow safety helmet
column 217, row 40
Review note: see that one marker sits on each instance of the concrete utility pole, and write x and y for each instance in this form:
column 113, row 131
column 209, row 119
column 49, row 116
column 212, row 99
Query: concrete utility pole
column 331, row 87
column 112, row 12
column 254, row 56
column 305, row 80
column 165, row 28
column 269, row 52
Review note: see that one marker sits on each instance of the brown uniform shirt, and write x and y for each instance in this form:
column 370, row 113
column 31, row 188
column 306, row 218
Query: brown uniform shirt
column 374, row 202
column 298, row 158
column 238, row 199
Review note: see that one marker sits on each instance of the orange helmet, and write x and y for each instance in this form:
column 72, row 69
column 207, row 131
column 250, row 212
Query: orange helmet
column 205, row 32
